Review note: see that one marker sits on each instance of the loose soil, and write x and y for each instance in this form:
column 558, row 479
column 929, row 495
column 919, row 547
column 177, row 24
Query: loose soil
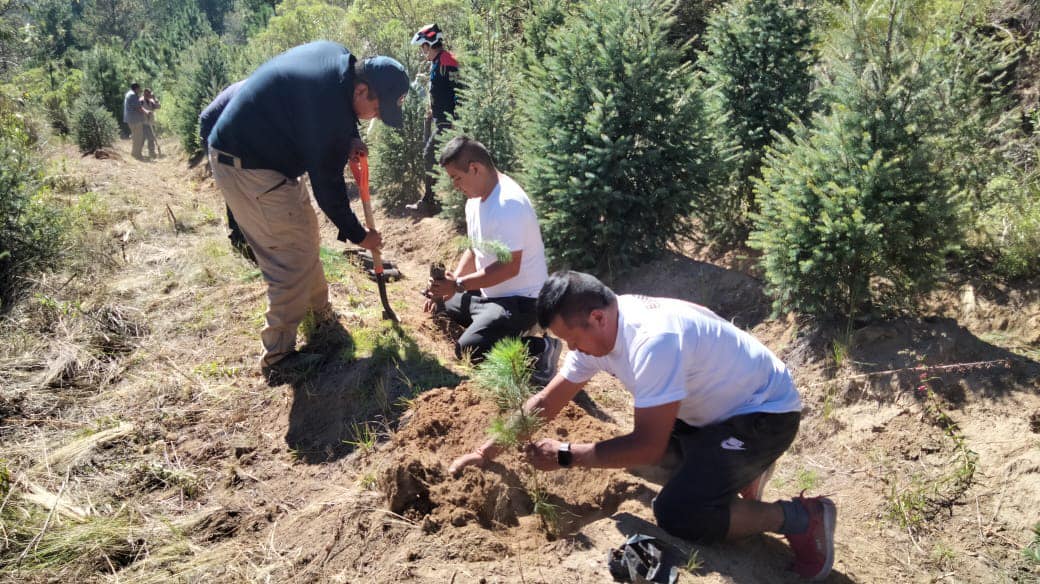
column 129, row 387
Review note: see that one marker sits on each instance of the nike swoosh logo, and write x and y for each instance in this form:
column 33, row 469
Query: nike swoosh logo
column 732, row 443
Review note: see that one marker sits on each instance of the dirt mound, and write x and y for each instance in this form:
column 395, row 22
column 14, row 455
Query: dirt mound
column 446, row 423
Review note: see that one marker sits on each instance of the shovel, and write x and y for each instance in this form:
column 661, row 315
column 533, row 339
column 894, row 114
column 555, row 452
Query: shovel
column 359, row 168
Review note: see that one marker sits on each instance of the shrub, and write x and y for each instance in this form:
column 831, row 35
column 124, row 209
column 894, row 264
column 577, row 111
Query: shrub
column 612, row 172
column 1009, row 230
column 92, row 125
column 397, row 155
column 30, row 236
column 104, row 76
column 758, row 73
column 855, row 215
column 203, row 74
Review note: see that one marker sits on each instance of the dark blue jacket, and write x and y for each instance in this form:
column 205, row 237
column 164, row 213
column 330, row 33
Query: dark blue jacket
column 295, row 114
column 209, row 116
column 444, row 78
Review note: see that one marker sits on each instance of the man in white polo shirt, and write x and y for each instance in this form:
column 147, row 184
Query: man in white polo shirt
column 494, row 299
column 698, row 381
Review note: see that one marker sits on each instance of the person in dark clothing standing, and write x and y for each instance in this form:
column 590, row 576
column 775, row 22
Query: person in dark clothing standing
column 299, row 113
column 444, row 74
column 207, row 119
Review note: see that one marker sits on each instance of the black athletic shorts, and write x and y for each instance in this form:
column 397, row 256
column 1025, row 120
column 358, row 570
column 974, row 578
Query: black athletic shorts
column 717, row 462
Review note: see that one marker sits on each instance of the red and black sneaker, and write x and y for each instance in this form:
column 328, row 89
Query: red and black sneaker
column 814, row 549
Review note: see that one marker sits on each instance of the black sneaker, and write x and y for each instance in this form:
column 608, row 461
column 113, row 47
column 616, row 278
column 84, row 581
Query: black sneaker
column 545, row 366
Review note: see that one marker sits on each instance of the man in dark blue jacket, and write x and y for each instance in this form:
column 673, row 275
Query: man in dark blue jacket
column 299, row 113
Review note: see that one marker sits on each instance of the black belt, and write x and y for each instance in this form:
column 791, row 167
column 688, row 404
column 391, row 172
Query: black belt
column 229, row 160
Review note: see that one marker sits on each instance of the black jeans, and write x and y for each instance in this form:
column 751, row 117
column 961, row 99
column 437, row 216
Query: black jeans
column 717, row 461
column 489, row 320
column 434, row 129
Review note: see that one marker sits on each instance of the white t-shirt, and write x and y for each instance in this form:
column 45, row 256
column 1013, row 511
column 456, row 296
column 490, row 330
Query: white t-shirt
column 669, row 350
column 508, row 217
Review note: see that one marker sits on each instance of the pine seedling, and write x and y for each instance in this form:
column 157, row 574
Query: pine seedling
column 493, row 247
column 505, row 378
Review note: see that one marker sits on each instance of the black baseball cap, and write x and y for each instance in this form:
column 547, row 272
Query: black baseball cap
column 389, row 80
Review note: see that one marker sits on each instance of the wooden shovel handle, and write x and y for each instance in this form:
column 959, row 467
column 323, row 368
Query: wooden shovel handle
column 359, row 168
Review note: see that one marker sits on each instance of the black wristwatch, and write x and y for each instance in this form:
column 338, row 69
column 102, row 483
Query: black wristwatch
column 563, row 455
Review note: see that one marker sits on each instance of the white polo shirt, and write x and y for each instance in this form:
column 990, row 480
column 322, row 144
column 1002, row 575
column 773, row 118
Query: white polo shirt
column 669, row 350
column 508, row 217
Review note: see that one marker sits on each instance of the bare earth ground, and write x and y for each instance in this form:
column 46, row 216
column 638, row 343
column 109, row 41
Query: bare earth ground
column 129, row 395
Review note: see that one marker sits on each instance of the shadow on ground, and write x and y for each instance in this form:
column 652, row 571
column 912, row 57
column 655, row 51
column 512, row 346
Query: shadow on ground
column 889, row 358
column 350, row 401
column 733, row 295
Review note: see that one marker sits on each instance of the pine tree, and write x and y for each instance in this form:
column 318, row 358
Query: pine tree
column 855, row 214
column 105, row 76
column 397, row 155
column 93, row 126
column 203, row 75
column 614, row 149
column 758, row 74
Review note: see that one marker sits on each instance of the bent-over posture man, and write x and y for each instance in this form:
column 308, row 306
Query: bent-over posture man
column 299, row 113
column 494, row 299
column 727, row 401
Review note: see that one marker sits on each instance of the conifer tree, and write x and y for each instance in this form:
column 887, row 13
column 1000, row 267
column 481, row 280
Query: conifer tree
column 104, row 76
column 855, row 215
column 758, row 74
column 614, row 148
column 203, row 75
column 397, row 155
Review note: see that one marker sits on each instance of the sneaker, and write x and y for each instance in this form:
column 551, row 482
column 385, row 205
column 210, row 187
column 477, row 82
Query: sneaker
column 754, row 490
column 425, row 206
column 546, row 365
column 293, row 367
column 814, row 549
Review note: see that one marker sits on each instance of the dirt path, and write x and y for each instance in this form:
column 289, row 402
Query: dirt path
column 340, row 478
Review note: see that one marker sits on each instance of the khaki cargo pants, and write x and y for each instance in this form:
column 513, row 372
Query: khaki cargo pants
column 279, row 223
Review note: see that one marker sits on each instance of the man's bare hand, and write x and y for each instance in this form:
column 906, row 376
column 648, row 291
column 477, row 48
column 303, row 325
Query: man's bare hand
column 542, row 454
column 356, row 149
column 472, row 459
column 372, row 241
column 442, row 289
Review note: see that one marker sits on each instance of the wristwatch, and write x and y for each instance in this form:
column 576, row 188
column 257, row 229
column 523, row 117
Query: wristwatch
column 563, row 455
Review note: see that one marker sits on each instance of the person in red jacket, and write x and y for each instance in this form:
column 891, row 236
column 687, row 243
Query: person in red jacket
column 444, row 74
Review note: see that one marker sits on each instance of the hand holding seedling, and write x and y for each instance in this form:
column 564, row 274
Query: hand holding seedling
column 543, row 454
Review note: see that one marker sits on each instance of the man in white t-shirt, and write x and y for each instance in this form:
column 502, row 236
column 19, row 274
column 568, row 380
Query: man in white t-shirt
column 493, row 289
column 698, row 381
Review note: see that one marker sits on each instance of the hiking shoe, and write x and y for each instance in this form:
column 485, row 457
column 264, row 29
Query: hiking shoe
column 545, row 366
column 754, row 490
column 425, row 206
column 293, row 367
column 814, row 549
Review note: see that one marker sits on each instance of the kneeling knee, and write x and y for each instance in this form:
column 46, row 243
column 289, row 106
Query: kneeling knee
column 697, row 522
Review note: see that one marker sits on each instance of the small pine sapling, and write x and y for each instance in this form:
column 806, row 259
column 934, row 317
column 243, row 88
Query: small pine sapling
column 505, row 378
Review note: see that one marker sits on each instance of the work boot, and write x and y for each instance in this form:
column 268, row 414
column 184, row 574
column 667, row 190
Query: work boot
column 546, row 365
column 814, row 549
column 427, row 206
column 293, row 367
column 754, row 491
